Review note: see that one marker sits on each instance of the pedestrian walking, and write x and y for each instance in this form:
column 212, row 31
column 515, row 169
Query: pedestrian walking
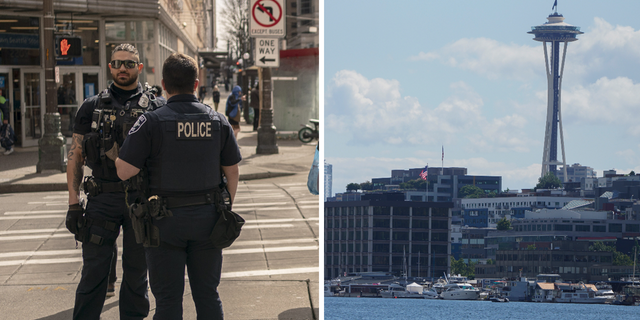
column 101, row 125
column 216, row 97
column 233, row 109
column 7, row 135
column 203, row 93
column 255, row 104
column 184, row 168
column 158, row 91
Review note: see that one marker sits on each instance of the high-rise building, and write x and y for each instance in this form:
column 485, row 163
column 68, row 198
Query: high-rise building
column 554, row 32
column 384, row 233
column 328, row 179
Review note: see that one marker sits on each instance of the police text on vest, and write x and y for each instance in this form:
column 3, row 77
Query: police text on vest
column 194, row 130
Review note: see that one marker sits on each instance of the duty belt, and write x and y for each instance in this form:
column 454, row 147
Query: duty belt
column 93, row 187
column 186, row 201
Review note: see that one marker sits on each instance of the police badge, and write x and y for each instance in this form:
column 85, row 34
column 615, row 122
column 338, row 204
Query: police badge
column 144, row 101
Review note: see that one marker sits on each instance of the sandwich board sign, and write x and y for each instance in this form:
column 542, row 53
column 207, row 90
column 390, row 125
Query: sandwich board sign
column 267, row 18
column 267, row 52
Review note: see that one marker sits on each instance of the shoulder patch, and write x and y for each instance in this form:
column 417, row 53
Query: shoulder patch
column 141, row 121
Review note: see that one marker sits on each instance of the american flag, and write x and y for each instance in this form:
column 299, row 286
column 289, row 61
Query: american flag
column 423, row 174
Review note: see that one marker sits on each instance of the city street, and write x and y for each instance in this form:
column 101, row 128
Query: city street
column 271, row 271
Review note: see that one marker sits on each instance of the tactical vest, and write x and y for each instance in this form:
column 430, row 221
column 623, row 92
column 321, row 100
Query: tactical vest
column 189, row 159
column 110, row 123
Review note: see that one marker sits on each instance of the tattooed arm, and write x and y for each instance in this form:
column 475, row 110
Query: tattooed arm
column 75, row 160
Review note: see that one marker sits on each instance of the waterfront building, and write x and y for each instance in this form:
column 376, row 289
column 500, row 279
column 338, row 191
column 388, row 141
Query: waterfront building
column 572, row 260
column 443, row 184
column 486, row 212
column 383, row 233
column 555, row 32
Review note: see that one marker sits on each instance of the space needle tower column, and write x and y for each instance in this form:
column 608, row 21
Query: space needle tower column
column 554, row 32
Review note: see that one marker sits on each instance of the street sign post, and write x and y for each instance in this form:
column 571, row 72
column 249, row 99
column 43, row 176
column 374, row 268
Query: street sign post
column 267, row 52
column 267, row 18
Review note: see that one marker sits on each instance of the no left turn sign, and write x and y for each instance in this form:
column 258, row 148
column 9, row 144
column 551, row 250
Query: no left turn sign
column 267, row 18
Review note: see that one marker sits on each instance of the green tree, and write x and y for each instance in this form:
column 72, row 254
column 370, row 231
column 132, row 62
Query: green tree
column 367, row 185
column 531, row 247
column 632, row 173
column 470, row 191
column 353, row 187
column 490, row 261
column 417, row 184
column 619, row 258
column 504, row 224
column 459, row 267
column 601, row 246
column 549, row 181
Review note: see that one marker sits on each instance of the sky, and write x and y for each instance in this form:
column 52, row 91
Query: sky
column 404, row 79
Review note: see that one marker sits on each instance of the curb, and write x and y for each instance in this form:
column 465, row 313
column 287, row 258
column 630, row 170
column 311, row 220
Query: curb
column 45, row 187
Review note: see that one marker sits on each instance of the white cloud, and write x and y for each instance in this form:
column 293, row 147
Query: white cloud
column 368, row 112
column 607, row 102
column 490, row 58
column 603, row 50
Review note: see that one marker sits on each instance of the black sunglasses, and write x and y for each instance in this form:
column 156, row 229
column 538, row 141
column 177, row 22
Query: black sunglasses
column 129, row 64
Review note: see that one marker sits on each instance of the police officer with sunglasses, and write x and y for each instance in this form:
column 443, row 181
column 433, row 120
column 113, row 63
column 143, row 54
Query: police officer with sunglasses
column 100, row 127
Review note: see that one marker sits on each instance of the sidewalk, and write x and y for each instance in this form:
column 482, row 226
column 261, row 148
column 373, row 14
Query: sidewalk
column 18, row 170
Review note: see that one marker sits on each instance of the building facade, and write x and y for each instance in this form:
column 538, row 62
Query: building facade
column 443, row 184
column 572, row 260
column 156, row 28
column 486, row 212
column 384, row 233
column 328, row 180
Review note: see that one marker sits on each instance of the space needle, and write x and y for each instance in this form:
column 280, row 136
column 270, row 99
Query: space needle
column 554, row 32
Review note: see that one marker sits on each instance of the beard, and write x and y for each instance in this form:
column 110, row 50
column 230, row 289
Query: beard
column 125, row 82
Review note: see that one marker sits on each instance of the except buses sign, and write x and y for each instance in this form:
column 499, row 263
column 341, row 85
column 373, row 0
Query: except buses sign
column 267, row 18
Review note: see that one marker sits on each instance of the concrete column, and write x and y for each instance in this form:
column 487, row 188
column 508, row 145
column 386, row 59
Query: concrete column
column 266, row 131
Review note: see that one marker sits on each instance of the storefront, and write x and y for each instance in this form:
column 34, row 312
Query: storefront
column 22, row 78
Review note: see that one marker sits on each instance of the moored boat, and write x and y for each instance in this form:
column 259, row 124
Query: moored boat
column 460, row 291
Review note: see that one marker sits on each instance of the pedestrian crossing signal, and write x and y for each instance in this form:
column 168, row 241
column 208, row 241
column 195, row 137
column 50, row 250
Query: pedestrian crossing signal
column 68, row 47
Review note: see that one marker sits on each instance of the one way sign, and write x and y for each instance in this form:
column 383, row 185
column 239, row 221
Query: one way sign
column 267, row 52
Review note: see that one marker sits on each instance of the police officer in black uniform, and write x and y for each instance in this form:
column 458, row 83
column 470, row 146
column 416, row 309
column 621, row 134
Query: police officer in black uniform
column 101, row 125
column 183, row 147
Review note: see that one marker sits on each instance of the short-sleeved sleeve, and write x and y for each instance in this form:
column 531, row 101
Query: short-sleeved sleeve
column 137, row 146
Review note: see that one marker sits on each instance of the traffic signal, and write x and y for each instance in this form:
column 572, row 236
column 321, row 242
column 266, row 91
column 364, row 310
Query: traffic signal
column 68, row 47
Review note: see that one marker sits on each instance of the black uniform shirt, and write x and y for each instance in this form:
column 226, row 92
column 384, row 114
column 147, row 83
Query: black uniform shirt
column 144, row 140
column 84, row 115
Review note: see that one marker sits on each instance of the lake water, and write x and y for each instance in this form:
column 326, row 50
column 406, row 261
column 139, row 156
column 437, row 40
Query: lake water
column 339, row 308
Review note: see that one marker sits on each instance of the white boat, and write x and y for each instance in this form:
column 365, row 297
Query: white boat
column 412, row 291
column 460, row 291
column 580, row 294
column 431, row 294
column 327, row 291
column 605, row 291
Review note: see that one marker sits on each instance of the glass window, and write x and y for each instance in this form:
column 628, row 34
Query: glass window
column 128, row 31
column 615, row 227
column 19, row 41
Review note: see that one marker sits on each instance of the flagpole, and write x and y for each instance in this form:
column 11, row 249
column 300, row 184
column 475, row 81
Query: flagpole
column 442, row 165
